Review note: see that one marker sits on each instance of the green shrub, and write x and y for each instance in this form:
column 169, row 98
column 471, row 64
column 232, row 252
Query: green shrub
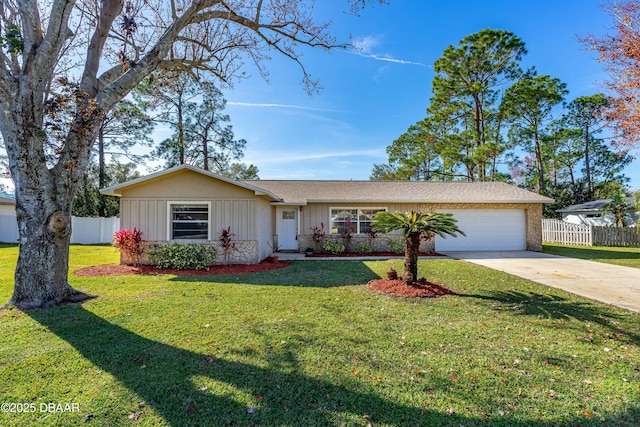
column 182, row 256
column 363, row 248
column 333, row 246
column 396, row 246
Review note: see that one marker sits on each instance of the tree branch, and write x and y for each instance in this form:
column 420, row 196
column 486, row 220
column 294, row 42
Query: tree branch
column 108, row 13
column 31, row 31
column 119, row 88
column 57, row 33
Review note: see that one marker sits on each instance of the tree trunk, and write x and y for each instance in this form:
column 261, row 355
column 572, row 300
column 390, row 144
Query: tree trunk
column 181, row 147
column 539, row 164
column 44, row 199
column 41, row 276
column 587, row 162
column 205, row 150
column 412, row 251
column 102, row 174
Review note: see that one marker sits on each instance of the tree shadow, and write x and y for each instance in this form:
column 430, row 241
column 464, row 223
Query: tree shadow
column 590, row 254
column 166, row 379
column 169, row 380
column 331, row 274
column 558, row 307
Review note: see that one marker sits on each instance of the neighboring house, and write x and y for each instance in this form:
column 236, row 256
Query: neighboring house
column 189, row 204
column 8, row 225
column 593, row 213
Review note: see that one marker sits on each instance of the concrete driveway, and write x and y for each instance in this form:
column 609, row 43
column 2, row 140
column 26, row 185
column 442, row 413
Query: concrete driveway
column 608, row 283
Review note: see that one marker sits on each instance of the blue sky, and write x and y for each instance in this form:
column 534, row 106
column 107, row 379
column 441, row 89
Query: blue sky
column 372, row 97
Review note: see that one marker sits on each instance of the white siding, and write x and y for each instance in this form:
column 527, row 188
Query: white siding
column 631, row 218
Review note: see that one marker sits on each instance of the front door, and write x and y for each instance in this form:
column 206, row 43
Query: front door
column 287, row 229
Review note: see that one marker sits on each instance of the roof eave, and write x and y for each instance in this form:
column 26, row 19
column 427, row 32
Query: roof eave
column 431, row 201
column 283, row 203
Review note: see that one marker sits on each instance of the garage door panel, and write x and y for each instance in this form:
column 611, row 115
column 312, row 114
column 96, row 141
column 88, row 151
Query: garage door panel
column 486, row 229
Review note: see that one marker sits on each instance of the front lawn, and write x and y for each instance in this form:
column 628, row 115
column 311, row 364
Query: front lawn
column 309, row 345
column 627, row 256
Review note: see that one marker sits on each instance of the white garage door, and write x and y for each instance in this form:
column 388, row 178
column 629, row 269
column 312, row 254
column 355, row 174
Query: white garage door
column 487, row 230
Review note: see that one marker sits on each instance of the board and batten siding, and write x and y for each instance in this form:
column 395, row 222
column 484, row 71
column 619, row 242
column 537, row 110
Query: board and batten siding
column 150, row 216
column 265, row 227
column 145, row 206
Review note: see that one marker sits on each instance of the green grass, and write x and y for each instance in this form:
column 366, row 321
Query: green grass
column 627, row 256
column 308, row 345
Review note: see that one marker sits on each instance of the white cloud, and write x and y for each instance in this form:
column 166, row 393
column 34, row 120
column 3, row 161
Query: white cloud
column 302, row 156
column 365, row 46
column 389, row 59
column 296, row 107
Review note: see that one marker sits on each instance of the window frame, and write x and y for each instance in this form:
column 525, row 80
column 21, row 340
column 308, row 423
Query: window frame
column 358, row 214
column 172, row 203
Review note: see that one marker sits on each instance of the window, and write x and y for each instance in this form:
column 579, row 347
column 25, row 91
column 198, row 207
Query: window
column 288, row 214
column 357, row 220
column 366, row 217
column 188, row 220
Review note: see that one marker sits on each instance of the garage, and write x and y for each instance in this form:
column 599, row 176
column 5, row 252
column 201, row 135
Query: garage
column 488, row 230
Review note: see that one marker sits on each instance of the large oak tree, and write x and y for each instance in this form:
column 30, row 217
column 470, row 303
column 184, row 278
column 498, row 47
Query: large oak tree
column 96, row 53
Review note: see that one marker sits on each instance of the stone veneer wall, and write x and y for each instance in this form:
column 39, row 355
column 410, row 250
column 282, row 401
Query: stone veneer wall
column 534, row 228
column 246, row 252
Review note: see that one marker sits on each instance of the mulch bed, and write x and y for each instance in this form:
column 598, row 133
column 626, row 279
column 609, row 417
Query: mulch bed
column 372, row 254
column 418, row 289
column 127, row 270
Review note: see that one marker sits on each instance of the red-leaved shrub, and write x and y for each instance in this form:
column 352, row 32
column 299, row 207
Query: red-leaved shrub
column 130, row 243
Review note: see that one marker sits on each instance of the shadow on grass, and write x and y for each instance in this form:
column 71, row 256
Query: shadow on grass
column 168, row 379
column 165, row 378
column 590, row 253
column 559, row 307
column 319, row 274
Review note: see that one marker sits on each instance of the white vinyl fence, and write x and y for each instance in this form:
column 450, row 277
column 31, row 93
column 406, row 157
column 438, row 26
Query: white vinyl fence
column 83, row 230
column 93, row 230
column 566, row 233
column 8, row 229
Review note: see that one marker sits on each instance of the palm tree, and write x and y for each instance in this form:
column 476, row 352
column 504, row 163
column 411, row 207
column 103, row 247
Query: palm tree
column 617, row 207
column 414, row 225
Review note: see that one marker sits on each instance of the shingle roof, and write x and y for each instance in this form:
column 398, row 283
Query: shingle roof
column 297, row 192
column 7, row 200
column 303, row 192
column 593, row 205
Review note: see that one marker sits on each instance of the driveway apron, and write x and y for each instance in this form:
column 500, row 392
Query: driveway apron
column 611, row 284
